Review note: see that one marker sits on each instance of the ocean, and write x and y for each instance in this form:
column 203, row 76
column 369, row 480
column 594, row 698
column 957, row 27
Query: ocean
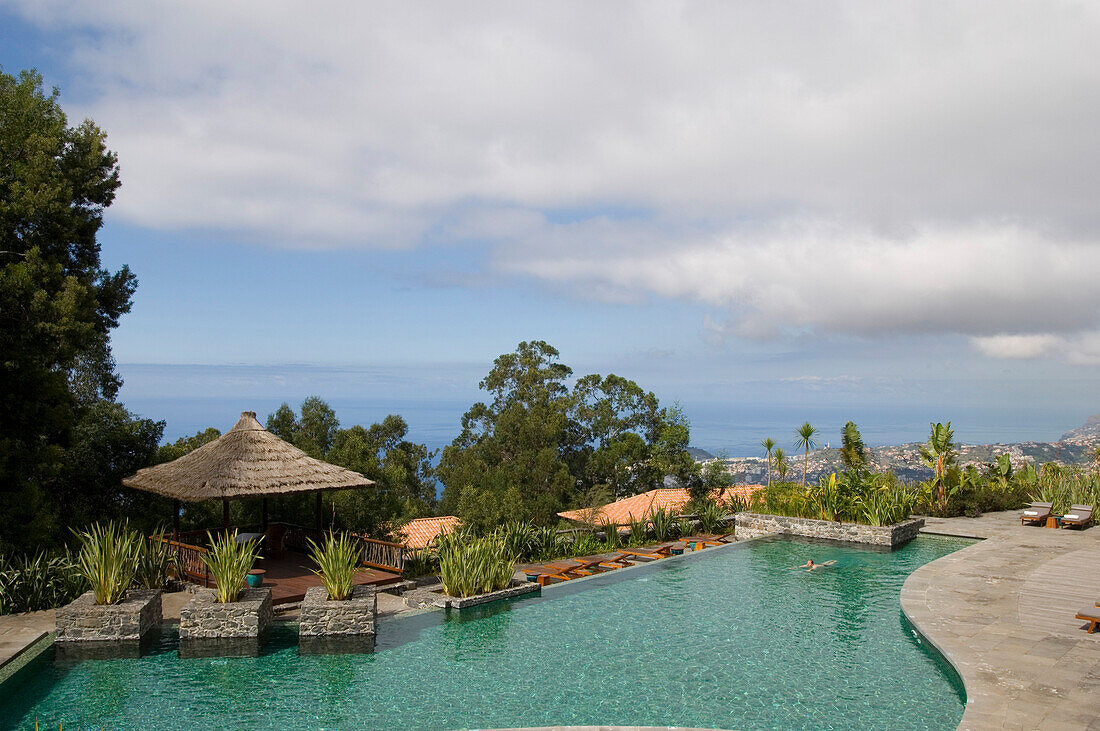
column 729, row 429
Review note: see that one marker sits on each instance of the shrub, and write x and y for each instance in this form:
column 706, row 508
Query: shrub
column 684, row 527
column 229, row 563
column 108, row 559
column 639, row 530
column 338, row 560
column 41, row 581
column 474, row 566
column 420, row 562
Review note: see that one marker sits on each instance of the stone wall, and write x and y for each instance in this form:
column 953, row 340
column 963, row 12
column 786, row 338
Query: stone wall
column 754, row 525
column 518, row 588
column 128, row 621
column 323, row 616
column 248, row 617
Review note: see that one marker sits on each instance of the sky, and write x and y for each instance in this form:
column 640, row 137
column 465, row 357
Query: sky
column 815, row 203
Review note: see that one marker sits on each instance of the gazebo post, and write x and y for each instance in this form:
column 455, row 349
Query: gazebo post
column 176, row 521
column 318, row 508
column 225, row 514
column 263, row 514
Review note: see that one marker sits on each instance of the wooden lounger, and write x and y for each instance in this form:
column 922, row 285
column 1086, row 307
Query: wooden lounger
column 1037, row 513
column 1077, row 517
column 1090, row 615
column 648, row 555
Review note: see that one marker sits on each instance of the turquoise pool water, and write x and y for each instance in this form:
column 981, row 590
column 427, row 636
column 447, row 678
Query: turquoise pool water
column 729, row 638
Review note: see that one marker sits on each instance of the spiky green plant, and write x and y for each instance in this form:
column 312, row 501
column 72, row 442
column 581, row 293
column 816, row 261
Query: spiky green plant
column 662, row 519
column 518, row 539
column 639, row 530
column 41, row 581
column 229, row 563
column 338, row 560
column 108, row 559
column 154, row 560
column 475, row 566
column 711, row 515
column 611, row 537
column 684, row 527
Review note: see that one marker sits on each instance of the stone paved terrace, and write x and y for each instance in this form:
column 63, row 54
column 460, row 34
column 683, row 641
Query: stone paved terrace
column 1002, row 612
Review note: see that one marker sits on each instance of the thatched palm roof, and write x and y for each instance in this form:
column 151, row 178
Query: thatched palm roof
column 246, row 461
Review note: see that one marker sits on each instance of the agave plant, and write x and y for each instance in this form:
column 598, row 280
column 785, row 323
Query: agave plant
column 338, row 560
column 229, row 562
column 684, row 527
column 475, row 566
column 108, row 559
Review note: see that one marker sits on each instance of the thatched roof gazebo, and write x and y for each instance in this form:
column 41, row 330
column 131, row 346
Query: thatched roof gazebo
column 246, row 462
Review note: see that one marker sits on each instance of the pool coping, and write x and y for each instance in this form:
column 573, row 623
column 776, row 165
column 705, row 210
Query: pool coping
column 1020, row 669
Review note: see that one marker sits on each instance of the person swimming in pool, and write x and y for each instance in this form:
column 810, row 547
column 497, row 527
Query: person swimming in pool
column 810, row 565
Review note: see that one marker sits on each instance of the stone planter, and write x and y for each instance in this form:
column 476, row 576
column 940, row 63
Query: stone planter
column 754, row 525
column 518, row 588
column 211, row 628
column 328, row 626
column 103, row 628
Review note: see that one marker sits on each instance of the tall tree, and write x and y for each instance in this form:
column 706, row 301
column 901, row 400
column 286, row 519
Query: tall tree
column 805, row 440
column 546, row 447
column 768, row 444
column 852, row 450
column 58, row 304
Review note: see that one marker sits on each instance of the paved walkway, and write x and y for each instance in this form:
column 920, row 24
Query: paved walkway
column 1002, row 612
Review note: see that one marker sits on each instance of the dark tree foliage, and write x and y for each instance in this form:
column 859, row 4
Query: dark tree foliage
column 402, row 469
column 540, row 446
column 58, row 303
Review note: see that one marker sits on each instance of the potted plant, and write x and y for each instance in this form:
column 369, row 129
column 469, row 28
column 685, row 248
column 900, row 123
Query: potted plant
column 232, row 610
column 112, row 610
column 337, row 616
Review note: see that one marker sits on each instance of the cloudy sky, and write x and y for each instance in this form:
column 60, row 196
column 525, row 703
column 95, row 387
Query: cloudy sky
column 816, row 201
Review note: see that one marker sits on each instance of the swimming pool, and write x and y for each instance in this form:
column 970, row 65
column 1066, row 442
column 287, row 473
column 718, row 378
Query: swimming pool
column 730, row 638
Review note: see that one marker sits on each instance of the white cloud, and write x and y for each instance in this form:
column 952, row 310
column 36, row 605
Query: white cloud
column 1017, row 346
column 853, row 167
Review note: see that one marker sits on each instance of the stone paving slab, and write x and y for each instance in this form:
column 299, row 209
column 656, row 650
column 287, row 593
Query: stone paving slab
column 1001, row 611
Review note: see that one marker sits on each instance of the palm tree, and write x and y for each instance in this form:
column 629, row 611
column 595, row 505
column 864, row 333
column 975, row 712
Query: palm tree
column 769, row 444
column 781, row 462
column 940, row 454
column 805, row 434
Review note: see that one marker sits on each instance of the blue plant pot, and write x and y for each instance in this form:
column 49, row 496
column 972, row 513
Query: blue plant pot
column 677, row 551
column 255, row 579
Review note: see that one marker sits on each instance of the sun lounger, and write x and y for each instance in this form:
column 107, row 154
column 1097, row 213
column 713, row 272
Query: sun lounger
column 1037, row 513
column 1090, row 615
column 1077, row 517
column 649, row 555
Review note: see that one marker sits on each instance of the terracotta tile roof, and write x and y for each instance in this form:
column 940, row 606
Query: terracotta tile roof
column 638, row 506
column 422, row 532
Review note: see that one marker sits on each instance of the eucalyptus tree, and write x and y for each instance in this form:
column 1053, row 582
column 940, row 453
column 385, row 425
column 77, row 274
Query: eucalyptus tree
column 805, row 440
column 768, row 445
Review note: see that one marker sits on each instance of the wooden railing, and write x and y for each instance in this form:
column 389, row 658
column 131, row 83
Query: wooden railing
column 189, row 560
column 383, row 554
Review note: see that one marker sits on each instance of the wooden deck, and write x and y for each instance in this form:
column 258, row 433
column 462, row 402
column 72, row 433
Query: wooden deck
column 289, row 576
